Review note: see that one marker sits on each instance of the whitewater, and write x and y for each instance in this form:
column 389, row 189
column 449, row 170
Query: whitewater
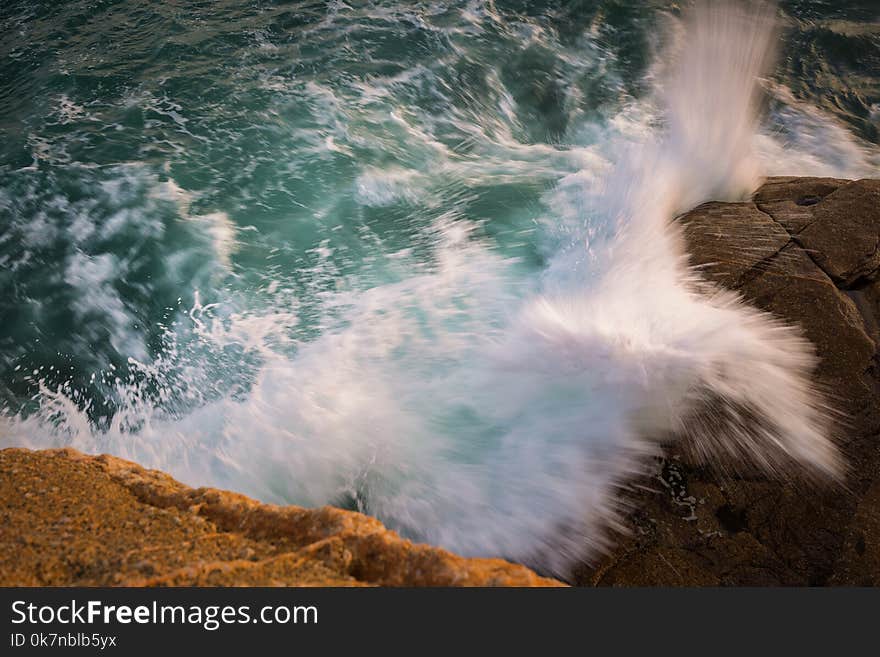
column 463, row 399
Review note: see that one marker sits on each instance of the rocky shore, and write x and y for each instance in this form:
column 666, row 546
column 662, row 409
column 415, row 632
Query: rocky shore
column 808, row 251
column 77, row 520
column 805, row 249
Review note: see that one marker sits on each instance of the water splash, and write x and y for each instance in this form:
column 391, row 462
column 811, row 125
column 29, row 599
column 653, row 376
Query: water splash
column 471, row 408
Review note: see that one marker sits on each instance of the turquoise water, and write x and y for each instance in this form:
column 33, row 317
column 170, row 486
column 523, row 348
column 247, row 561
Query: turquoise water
column 198, row 199
column 308, row 141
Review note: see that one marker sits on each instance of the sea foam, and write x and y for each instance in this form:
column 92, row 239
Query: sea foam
column 492, row 416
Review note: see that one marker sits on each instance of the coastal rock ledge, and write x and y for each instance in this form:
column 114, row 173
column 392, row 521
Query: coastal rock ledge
column 69, row 519
column 805, row 249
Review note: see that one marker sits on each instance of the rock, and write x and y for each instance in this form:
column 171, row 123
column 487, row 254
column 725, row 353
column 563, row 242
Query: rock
column 711, row 231
column 859, row 563
column 789, row 200
column 791, row 286
column 837, row 222
column 805, row 250
column 124, row 525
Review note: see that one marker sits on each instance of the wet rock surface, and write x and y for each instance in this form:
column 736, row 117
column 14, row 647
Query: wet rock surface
column 805, row 250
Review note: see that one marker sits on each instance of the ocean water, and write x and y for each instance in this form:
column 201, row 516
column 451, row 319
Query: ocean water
column 413, row 259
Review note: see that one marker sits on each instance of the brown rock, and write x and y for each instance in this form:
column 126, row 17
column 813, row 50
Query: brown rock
column 859, row 563
column 729, row 242
column 844, row 237
column 794, row 288
column 806, row 251
column 837, row 222
column 106, row 521
column 790, row 200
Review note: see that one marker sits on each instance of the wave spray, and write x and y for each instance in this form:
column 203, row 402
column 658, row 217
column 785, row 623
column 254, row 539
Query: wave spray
column 499, row 418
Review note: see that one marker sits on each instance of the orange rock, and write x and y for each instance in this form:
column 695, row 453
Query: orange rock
column 70, row 519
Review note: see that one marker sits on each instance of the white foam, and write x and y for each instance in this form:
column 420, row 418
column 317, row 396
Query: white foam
column 92, row 277
column 812, row 143
column 379, row 187
column 217, row 226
